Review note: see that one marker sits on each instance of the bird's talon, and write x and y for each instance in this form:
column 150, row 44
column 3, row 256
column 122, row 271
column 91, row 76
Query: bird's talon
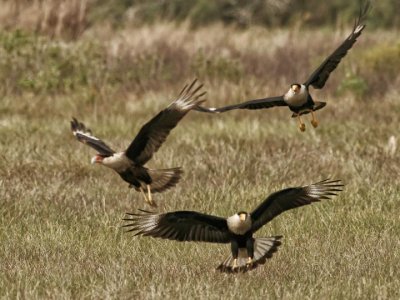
column 302, row 127
column 314, row 123
column 234, row 265
column 152, row 203
column 249, row 263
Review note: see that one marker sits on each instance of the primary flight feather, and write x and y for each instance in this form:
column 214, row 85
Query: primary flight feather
column 238, row 230
column 129, row 164
column 298, row 98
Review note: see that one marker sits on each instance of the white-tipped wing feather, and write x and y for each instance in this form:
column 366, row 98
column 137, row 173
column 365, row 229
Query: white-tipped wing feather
column 319, row 77
column 179, row 226
column 290, row 198
column 154, row 133
column 84, row 135
column 251, row 104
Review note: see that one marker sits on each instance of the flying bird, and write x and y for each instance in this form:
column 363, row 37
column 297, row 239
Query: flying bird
column 129, row 164
column 238, row 230
column 298, row 98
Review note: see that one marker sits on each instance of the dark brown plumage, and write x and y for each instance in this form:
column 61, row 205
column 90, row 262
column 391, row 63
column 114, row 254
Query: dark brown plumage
column 237, row 229
column 129, row 164
column 84, row 135
column 298, row 98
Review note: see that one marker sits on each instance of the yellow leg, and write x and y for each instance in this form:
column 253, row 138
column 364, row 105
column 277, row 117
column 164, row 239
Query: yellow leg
column 234, row 265
column 249, row 262
column 314, row 121
column 144, row 195
column 302, row 126
column 151, row 202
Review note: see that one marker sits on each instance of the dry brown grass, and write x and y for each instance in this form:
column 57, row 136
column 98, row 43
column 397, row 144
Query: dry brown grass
column 60, row 217
column 56, row 18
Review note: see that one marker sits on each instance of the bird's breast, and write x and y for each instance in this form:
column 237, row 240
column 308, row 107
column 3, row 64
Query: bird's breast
column 238, row 227
column 298, row 99
column 119, row 162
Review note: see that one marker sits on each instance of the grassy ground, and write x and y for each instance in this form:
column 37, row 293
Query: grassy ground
column 60, row 224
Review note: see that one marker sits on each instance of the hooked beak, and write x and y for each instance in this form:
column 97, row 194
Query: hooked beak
column 96, row 159
column 242, row 217
column 295, row 89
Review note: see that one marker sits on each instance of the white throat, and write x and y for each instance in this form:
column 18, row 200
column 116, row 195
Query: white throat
column 119, row 162
column 238, row 226
column 296, row 99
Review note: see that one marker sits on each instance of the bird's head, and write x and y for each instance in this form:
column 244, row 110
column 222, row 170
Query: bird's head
column 243, row 216
column 239, row 223
column 97, row 159
column 295, row 87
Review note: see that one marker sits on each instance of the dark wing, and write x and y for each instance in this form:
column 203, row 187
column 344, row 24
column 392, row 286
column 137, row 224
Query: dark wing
column 84, row 135
column 251, row 104
column 291, row 198
column 155, row 132
column 321, row 74
column 179, row 226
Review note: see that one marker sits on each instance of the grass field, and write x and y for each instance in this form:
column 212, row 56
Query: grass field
column 61, row 218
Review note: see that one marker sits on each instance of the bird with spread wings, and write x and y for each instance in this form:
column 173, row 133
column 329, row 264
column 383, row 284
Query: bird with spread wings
column 129, row 164
column 298, row 98
column 247, row 251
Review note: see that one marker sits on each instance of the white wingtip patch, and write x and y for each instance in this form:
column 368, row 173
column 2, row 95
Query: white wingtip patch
column 86, row 134
column 148, row 222
column 314, row 191
column 188, row 99
column 93, row 160
column 359, row 28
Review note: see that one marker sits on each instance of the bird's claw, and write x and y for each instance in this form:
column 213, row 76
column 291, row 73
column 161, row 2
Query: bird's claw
column 150, row 198
column 302, row 127
column 249, row 263
column 314, row 123
column 152, row 203
column 234, row 265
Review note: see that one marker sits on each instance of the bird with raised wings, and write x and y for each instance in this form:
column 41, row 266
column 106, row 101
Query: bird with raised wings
column 129, row 164
column 247, row 252
column 298, row 98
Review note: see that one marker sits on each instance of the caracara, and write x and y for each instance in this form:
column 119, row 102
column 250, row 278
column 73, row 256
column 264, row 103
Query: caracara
column 238, row 230
column 129, row 164
column 298, row 98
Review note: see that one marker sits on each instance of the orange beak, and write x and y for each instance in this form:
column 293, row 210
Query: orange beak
column 96, row 159
column 295, row 88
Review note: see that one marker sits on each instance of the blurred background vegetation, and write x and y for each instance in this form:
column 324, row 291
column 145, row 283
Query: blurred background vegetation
column 52, row 46
column 244, row 13
column 71, row 18
column 98, row 49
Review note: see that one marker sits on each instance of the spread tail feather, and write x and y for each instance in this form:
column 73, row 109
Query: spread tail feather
column 164, row 179
column 264, row 248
